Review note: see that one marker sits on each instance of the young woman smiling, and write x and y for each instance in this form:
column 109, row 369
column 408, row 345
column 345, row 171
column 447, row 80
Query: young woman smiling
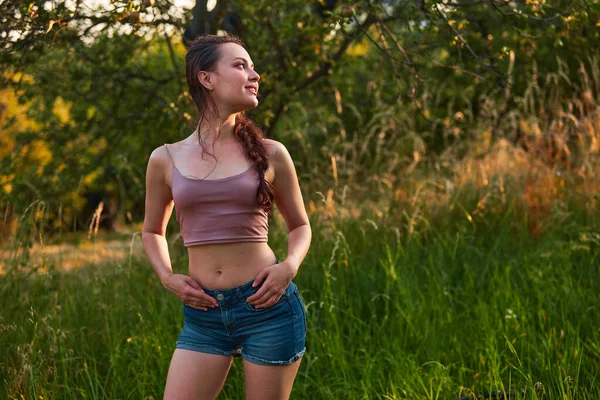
column 223, row 179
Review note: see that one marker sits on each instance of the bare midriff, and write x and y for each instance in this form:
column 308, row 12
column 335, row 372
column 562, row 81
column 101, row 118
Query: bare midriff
column 227, row 265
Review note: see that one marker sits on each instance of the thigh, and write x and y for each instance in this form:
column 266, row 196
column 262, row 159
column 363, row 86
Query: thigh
column 269, row 382
column 195, row 375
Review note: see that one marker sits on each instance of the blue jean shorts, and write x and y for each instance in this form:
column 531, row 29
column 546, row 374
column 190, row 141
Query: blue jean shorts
column 273, row 335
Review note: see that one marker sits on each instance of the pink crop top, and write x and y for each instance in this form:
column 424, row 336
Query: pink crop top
column 218, row 210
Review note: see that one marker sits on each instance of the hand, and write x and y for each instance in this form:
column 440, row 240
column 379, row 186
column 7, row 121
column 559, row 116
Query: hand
column 188, row 290
column 276, row 278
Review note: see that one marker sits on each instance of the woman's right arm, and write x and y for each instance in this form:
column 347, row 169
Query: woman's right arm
column 159, row 206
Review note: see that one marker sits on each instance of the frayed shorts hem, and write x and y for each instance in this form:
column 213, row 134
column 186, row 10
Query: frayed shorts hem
column 203, row 348
column 260, row 361
column 252, row 359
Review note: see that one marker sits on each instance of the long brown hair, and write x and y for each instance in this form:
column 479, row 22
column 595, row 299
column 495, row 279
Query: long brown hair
column 202, row 55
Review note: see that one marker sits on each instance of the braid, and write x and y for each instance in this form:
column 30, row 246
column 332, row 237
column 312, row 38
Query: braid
column 251, row 138
column 203, row 54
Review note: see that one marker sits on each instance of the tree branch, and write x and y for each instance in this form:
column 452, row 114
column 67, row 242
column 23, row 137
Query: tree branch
column 528, row 16
column 326, row 66
column 174, row 62
column 323, row 69
column 465, row 44
column 466, row 3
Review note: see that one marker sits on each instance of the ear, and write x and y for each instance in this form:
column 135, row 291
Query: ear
column 205, row 80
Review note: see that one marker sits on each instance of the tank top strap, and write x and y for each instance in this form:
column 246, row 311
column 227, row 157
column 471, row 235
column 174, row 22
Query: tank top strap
column 169, row 153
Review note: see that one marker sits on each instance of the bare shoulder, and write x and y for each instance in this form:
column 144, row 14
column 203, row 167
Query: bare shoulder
column 159, row 155
column 283, row 165
column 275, row 149
column 158, row 161
column 159, row 199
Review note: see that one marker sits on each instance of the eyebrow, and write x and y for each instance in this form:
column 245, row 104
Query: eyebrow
column 244, row 61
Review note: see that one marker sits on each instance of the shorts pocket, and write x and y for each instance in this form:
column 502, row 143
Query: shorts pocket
column 263, row 309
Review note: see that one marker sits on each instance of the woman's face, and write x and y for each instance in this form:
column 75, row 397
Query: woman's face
column 230, row 82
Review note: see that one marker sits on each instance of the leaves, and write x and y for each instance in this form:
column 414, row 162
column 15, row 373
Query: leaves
column 106, row 86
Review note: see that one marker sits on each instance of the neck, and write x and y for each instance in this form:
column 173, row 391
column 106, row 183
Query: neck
column 210, row 133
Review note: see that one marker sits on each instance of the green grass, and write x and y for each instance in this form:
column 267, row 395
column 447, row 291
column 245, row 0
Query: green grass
column 391, row 316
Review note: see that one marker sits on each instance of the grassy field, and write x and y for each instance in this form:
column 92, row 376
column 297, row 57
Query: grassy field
column 442, row 315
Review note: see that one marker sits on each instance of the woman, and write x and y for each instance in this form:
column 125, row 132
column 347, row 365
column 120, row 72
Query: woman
column 239, row 300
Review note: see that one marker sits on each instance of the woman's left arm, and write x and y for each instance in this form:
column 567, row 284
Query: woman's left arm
column 288, row 199
column 289, row 202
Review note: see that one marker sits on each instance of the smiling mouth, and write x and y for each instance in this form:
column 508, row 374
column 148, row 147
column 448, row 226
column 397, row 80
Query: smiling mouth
column 252, row 90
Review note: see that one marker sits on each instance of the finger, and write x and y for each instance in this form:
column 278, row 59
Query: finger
column 192, row 282
column 202, row 305
column 259, row 293
column 193, row 292
column 196, row 305
column 259, row 278
column 207, row 299
column 271, row 301
column 199, row 294
column 263, row 297
column 198, row 298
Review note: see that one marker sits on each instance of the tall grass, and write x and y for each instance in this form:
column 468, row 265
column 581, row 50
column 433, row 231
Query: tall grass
column 390, row 316
column 535, row 153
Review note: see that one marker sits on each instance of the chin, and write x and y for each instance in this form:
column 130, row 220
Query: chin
column 245, row 106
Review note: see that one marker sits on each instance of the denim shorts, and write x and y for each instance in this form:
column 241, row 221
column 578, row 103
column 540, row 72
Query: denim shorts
column 266, row 336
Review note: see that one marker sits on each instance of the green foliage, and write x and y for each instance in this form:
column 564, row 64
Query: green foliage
column 377, row 87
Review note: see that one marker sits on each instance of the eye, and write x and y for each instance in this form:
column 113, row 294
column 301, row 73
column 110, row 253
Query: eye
column 239, row 64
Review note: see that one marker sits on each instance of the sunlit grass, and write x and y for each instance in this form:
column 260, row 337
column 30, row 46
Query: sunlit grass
column 422, row 316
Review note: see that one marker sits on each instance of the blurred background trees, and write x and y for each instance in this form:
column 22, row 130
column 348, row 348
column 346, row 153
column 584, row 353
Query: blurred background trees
column 369, row 96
